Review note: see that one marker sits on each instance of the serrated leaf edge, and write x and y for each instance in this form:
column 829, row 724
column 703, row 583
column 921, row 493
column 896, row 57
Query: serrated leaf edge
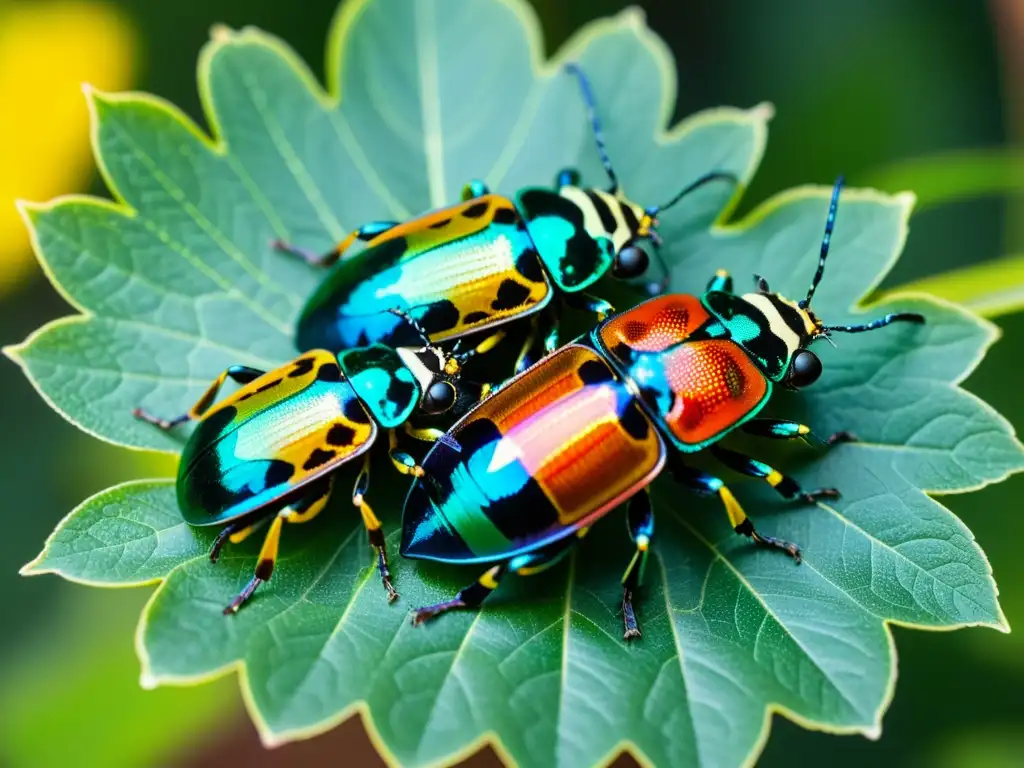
column 632, row 17
column 34, row 566
column 344, row 19
column 873, row 730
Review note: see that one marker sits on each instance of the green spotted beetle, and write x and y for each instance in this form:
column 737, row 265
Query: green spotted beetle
column 268, row 451
column 485, row 262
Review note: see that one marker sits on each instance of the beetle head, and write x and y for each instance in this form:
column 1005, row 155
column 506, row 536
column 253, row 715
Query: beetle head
column 797, row 326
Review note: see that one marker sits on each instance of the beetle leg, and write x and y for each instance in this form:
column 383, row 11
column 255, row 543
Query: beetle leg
column 236, row 533
column 707, row 485
column 426, row 434
column 551, row 340
column 544, row 327
column 264, row 566
column 525, row 358
column 467, row 597
column 781, row 429
column 589, row 303
column 365, row 233
column 373, row 528
column 641, row 529
column 403, row 462
column 486, row 345
column 523, row 565
column 475, row 188
column 786, row 487
column 242, row 374
column 306, row 509
column 722, row 281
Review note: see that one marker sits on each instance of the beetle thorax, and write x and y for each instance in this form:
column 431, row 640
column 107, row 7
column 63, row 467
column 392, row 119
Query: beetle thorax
column 605, row 214
column 787, row 321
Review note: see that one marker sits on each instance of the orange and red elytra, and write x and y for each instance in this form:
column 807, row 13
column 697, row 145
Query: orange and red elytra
column 524, row 475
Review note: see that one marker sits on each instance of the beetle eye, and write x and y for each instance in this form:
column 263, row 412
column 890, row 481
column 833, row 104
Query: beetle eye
column 804, row 370
column 439, row 398
column 630, row 262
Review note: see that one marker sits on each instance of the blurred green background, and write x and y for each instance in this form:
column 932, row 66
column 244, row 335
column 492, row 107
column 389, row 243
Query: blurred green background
column 860, row 86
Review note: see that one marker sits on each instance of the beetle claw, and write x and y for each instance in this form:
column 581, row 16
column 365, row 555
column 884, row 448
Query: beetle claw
column 425, row 614
column 243, row 596
column 788, row 547
column 812, row 497
column 629, row 616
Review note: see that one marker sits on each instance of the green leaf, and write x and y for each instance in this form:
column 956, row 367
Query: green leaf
column 991, row 289
column 177, row 282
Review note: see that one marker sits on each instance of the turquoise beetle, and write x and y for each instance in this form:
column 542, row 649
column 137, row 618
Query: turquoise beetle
column 269, row 450
column 526, row 473
column 485, row 262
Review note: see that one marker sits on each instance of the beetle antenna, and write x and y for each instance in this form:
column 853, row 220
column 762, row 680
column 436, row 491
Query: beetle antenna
column 826, row 240
column 414, row 324
column 651, row 213
column 595, row 123
column 895, row 317
column 649, row 221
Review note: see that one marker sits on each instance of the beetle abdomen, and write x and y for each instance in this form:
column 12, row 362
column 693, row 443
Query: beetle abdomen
column 555, row 449
column 456, row 271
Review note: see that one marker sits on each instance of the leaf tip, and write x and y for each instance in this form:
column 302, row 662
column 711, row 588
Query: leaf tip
column 906, row 200
column 148, row 681
column 12, row 352
column 28, row 209
column 873, row 732
column 765, row 112
column 1001, row 624
column 94, row 97
column 32, row 567
column 634, row 17
column 23, row 206
column 221, row 33
column 269, row 739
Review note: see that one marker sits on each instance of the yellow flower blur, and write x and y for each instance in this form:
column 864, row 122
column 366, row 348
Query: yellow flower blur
column 48, row 48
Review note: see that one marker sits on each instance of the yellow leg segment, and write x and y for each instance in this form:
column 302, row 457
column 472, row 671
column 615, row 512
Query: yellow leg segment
column 473, row 595
column 373, row 528
column 240, row 373
column 427, row 434
column 732, row 507
column 401, row 460
column 241, row 535
column 293, row 515
column 489, row 343
column 302, row 512
column 264, row 565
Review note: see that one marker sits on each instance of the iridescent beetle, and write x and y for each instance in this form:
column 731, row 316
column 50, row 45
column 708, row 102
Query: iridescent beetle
column 485, row 262
column 518, row 479
column 269, row 451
